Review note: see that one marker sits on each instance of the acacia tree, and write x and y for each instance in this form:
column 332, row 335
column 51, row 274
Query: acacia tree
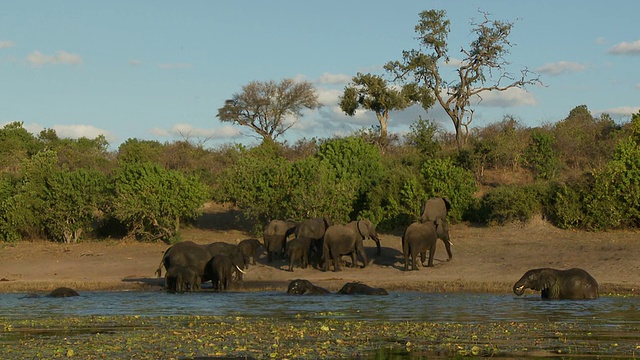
column 372, row 92
column 484, row 67
column 265, row 107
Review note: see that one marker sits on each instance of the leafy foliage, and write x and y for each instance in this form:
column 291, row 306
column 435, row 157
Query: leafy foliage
column 511, row 203
column 151, row 201
column 443, row 178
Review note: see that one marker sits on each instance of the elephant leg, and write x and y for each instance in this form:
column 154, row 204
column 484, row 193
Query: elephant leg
column 423, row 257
column 447, row 245
column 336, row 263
column 305, row 259
column 432, row 252
column 291, row 260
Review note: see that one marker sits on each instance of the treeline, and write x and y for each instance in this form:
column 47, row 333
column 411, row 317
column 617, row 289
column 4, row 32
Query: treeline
column 582, row 172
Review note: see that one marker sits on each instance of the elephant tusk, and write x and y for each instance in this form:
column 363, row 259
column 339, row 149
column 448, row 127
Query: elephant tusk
column 240, row 270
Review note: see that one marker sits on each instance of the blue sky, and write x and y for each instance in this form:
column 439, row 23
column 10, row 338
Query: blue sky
column 159, row 70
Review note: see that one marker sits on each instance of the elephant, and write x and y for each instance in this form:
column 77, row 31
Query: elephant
column 180, row 279
column 572, row 284
column 348, row 239
column 188, row 253
column 314, row 229
column 356, row 288
column 298, row 250
column 419, row 237
column 62, row 292
column 435, row 208
column 232, row 251
column 275, row 236
column 305, row 287
column 249, row 249
column 220, row 270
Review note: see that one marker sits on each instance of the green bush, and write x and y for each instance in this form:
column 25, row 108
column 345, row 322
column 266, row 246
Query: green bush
column 540, row 156
column 151, row 201
column 510, row 203
column 8, row 221
column 566, row 209
column 443, row 178
column 73, row 200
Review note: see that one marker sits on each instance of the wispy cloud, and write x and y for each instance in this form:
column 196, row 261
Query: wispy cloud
column 508, row 98
column 626, row 48
column 79, row 131
column 333, row 79
column 561, row 67
column 6, row 44
column 186, row 131
column 37, row 58
column 135, row 62
column 623, row 110
column 174, row 66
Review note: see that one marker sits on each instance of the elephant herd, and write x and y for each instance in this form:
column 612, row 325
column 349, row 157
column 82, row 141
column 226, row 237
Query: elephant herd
column 321, row 243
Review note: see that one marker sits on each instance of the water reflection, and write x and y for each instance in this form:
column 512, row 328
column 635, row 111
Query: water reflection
column 399, row 306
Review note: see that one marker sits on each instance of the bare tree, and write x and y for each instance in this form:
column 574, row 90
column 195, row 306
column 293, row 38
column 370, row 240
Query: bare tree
column 484, row 67
column 265, row 107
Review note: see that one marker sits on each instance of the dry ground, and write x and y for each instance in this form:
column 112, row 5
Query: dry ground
column 484, row 259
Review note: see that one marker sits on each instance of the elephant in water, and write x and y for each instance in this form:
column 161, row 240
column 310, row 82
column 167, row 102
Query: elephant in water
column 572, row 284
column 356, row 288
column 435, row 208
column 348, row 240
column 420, row 237
column 305, row 287
column 62, row 292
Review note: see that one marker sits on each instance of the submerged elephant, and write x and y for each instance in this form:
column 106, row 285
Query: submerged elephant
column 305, row 287
column 420, row 237
column 348, row 240
column 356, row 288
column 572, row 284
column 435, row 208
column 62, row 292
column 275, row 236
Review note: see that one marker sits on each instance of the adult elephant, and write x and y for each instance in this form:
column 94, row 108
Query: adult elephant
column 572, row 284
column 314, row 229
column 422, row 236
column 305, row 287
column 220, row 269
column 62, row 292
column 435, row 208
column 275, row 236
column 188, row 253
column 232, row 251
column 348, row 240
column 298, row 250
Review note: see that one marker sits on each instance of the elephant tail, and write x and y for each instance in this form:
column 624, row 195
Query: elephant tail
column 164, row 256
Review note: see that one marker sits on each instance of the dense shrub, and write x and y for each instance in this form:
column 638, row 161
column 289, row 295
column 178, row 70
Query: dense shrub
column 540, row 156
column 151, row 201
column 443, row 178
column 510, row 203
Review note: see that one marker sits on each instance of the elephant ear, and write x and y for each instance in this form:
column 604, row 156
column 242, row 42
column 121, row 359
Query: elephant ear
column 363, row 228
column 447, row 203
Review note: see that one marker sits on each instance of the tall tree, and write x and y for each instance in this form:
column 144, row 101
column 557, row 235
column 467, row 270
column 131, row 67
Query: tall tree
column 374, row 93
column 265, row 107
column 484, row 67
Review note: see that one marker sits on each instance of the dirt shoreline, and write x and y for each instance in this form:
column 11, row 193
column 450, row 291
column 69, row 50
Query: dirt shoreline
column 485, row 259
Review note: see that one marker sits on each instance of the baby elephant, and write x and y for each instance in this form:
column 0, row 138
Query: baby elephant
column 298, row 250
column 301, row 287
column 249, row 249
column 572, row 284
column 180, row 279
column 356, row 288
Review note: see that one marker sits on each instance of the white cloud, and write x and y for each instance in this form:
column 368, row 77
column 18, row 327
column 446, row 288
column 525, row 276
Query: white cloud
column 508, row 98
column 334, row 79
column 37, row 58
column 135, row 62
column 632, row 48
column 600, row 40
column 6, row 44
column 623, row 110
column 561, row 67
column 174, row 66
column 79, row 130
column 186, row 131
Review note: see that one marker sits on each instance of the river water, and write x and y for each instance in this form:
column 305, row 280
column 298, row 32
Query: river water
column 398, row 306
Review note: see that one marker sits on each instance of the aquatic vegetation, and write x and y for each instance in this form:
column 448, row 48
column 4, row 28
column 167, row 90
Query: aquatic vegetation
column 172, row 337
